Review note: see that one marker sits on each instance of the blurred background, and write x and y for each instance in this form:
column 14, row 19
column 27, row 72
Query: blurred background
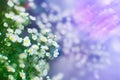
column 88, row 35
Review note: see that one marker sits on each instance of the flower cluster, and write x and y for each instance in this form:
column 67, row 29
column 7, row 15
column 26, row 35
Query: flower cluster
column 24, row 52
column 81, row 55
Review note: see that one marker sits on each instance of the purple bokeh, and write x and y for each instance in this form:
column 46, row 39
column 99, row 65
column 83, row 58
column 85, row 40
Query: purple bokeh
column 88, row 34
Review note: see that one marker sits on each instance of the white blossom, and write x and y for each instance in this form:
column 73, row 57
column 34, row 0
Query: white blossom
column 11, row 77
column 18, row 31
column 22, row 75
column 26, row 41
column 42, row 38
column 10, row 69
column 5, row 24
column 10, row 3
column 13, row 37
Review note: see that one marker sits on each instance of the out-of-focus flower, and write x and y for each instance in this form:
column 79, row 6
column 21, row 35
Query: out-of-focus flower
column 83, row 54
column 22, row 75
column 26, row 42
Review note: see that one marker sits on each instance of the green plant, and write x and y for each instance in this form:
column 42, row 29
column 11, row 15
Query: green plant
column 24, row 52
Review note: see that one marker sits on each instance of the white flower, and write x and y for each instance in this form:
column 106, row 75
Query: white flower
column 34, row 37
column 35, row 47
column 10, row 3
column 10, row 69
column 36, row 78
column 26, row 41
column 19, row 40
column 31, row 51
column 22, row 75
column 56, row 53
column 18, row 19
column 42, row 38
column 5, row 24
column 30, row 30
column 48, row 78
column 19, row 8
column 55, row 44
column 48, row 54
column 32, row 18
column 49, row 41
column 10, row 77
column 37, row 67
column 44, row 47
column 34, row 30
column 24, row 14
column 13, row 37
column 44, row 31
column 10, row 30
column 21, row 27
column 22, row 65
column 18, row 31
column 10, row 15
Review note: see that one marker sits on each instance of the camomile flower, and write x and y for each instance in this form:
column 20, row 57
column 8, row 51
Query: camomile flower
column 26, row 41
column 22, row 75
